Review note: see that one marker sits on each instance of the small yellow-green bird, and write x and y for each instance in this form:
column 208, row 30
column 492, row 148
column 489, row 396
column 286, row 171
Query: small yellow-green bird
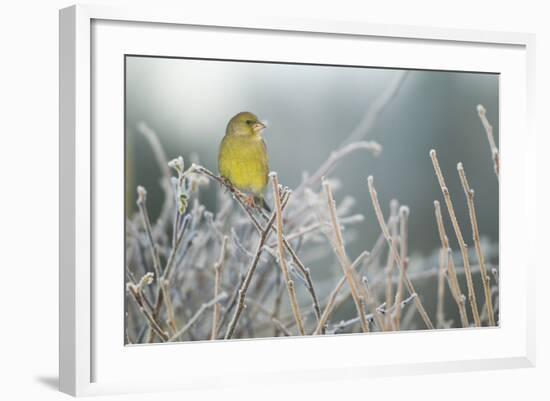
column 242, row 158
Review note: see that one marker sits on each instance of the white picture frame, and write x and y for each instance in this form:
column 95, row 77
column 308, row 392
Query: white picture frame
column 88, row 363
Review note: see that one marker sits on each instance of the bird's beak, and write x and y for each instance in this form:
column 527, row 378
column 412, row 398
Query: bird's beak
column 259, row 126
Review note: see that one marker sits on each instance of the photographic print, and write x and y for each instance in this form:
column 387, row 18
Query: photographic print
column 267, row 199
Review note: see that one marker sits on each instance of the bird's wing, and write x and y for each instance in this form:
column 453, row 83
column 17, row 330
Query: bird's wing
column 221, row 164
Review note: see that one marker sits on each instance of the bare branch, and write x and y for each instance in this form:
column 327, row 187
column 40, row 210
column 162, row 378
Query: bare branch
column 334, row 158
column 495, row 154
column 282, row 260
column 339, row 248
column 475, row 234
column 197, row 315
column 139, row 298
column 250, row 272
column 459, row 237
column 380, row 103
column 218, row 268
column 331, row 302
column 400, row 263
column 403, row 235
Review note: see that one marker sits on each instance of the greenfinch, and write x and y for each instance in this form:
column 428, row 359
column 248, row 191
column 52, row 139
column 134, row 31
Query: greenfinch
column 242, row 158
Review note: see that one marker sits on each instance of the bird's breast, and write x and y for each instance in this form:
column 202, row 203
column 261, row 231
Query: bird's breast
column 243, row 160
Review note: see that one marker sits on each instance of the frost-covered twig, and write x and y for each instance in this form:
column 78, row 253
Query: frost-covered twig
column 162, row 162
column 264, row 233
column 218, row 268
column 454, row 285
column 304, row 270
column 276, row 322
column 364, row 258
column 353, row 141
column 403, row 236
column 281, row 253
column 460, row 298
column 440, row 306
column 382, row 101
column 335, row 157
column 399, row 262
column 338, row 244
column 459, row 237
column 369, row 300
column 314, row 227
column 331, row 302
column 136, row 290
column 278, row 299
column 380, row 309
column 239, row 197
column 394, row 209
column 475, row 234
column 495, row 154
column 141, row 203
column 197, row 315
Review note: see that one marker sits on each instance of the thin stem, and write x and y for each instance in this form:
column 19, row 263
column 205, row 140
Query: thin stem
column 459, row 237
column 158, row 150
column 137, row 296
column 440, row 308
column 377, row 106
column 141, row 203
column 246, row 284
column 380, row 309
column 277, row 302
column 494, row 272
column 231, row 302
column 335, row 157
column 394, row 210
column 162, row 162
column 333, row 302
column 400, row 305
column 454, row 285
column 307, row 275
column 495, row 154
column 400, row 263
column 460, row 298
column 163, row 293
column 248, row 277
column 475, row 234
column 166, row 278
column 218, row 268
column 282, row 259
column 369, row 300
column 403, row 235
column 357, row 218
column 171, row 320
column 197, row 315
column 304, row 270
column 332, row 298
column 280, row 326
column 167, row 274
column 423, row 274
column 343, row 257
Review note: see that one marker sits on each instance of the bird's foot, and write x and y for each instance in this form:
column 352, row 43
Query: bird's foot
column 249, row 201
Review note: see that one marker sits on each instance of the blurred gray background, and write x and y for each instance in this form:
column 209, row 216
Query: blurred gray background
column 310, row 110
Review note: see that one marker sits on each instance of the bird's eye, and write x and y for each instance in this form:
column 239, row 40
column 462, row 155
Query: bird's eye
column 249, row 122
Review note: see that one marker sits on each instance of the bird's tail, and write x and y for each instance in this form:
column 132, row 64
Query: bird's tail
column 260, row 201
